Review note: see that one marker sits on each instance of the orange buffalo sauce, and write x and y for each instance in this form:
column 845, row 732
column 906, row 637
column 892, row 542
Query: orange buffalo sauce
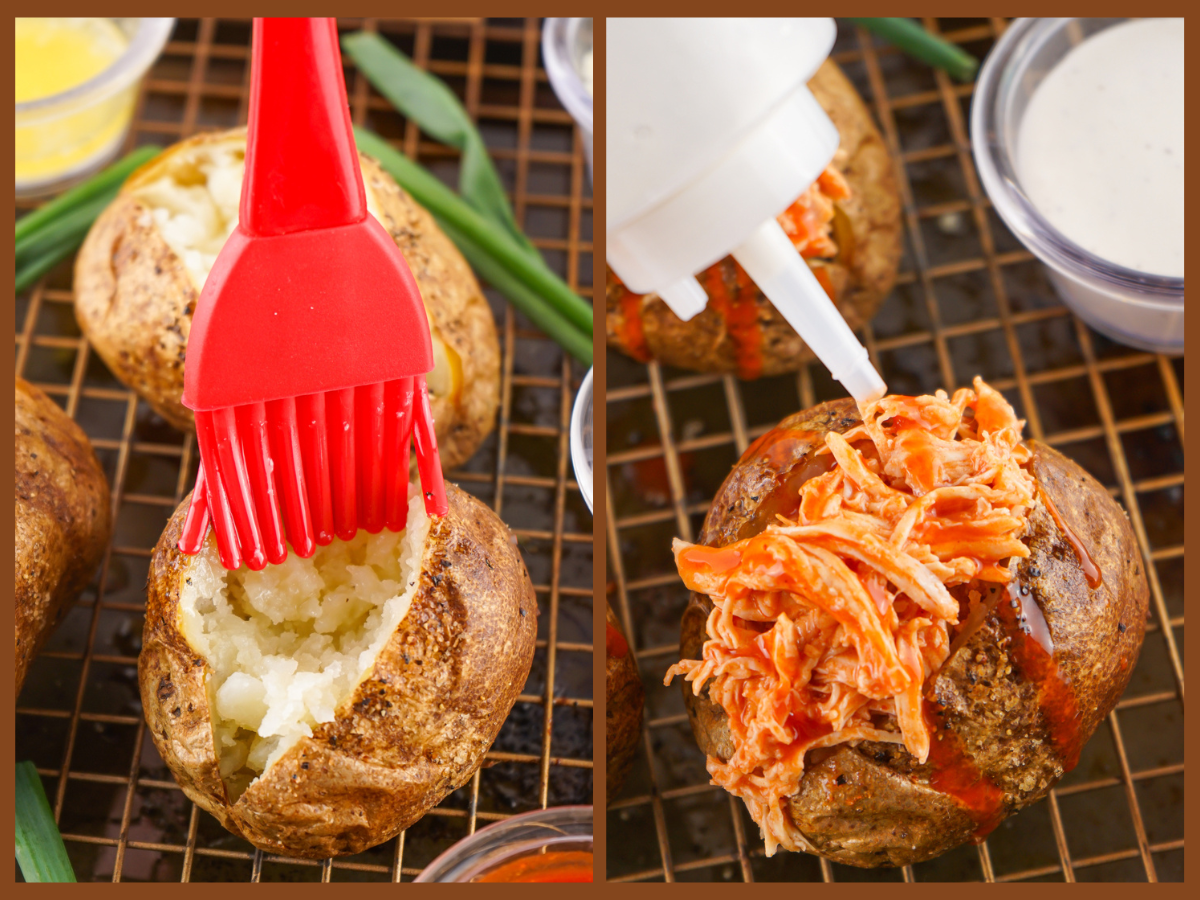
column 629, row 325
column 739, row 312
column 615, row 644
column 778, row 445
column 1032, row 650
column 956, row 775
column 709, row 560
column 554, row 866
column 825, row 281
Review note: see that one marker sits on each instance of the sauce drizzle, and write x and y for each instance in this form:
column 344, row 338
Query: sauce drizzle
column 1032, row 650
column 629, row 325
column 956, row 775
column 615, row 645
column 739, row 312
column 1091, row 571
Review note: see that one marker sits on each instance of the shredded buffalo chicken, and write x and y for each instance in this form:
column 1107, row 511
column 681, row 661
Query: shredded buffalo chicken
column 825, row 628
column 809, row 221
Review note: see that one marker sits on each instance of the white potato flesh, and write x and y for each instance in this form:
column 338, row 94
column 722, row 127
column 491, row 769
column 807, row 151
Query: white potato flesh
column 285, row 646
column 195, row 206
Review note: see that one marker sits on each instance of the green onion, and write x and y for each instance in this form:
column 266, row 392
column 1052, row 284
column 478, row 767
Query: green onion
column 543, row 286
column 478, row 219
column 570, row 338
column 54, row 231
column 108, row 181
column 40, row 851
column 435, row 109
column 73, row 223
column 28, row 275
column 914, row 40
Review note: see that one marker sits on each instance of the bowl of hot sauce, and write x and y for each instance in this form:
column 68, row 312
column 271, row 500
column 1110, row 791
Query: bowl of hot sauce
column 546, row 845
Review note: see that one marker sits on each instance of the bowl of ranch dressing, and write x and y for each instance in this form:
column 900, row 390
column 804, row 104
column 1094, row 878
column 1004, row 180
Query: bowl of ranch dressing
column 1077, row 129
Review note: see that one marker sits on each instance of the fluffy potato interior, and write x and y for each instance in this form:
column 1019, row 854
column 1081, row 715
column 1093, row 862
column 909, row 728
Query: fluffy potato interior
column 195, row 206
column 288, row 644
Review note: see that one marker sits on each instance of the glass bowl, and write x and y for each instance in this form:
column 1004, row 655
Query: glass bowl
column 67, row 136
column 558, row 829
column 1136, row 308
column 564, row 41
column 581, row 438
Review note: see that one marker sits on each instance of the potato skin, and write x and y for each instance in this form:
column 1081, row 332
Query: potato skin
column 62, row 519
column 867, row 230
column 623, row 699
column 414, row 730
column 873, row 804
column 134, row 300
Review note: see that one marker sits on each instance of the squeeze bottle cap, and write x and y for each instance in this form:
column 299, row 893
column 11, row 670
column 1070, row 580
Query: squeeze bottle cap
column 712, row 132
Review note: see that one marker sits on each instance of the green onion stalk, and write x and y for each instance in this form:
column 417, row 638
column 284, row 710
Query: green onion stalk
column 41, row 853
column 918, row 43
column 55, row 230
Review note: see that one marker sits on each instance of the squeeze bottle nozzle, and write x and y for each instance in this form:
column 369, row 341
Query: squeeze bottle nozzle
column 712, row 132
column 780, row 272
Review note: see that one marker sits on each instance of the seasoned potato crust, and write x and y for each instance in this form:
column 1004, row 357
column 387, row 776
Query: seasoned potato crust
column 623, row 708
column 62, row 518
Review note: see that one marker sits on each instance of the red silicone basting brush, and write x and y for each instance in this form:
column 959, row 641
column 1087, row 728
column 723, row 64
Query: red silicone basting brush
column 309, row 345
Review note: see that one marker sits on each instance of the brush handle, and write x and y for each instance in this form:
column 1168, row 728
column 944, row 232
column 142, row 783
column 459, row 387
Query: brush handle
column 302, row 170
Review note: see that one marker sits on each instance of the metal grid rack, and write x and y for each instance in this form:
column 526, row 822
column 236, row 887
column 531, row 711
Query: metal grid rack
column 969, row 300
column 79, row 718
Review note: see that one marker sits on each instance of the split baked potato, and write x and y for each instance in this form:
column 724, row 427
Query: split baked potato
column 740, row 331
column 1028, row 675
column 140, row 270
column 62, row 518
column 624, row 696
column 321, row 706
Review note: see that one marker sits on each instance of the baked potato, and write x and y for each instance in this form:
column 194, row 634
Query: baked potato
column 321, row 706
column 624, row 695
column 1037, row 649
column 63, row 519
column 852, row 243
column 139, row 273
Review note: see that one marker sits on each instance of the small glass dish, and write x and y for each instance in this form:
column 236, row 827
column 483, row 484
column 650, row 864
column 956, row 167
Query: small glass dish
column 1136, row 308
column 560, row 829
column 67, row 136
column 581, row 439
column 564, row 42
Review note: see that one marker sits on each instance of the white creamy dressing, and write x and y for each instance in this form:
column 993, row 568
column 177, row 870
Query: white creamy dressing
column 1100, row 147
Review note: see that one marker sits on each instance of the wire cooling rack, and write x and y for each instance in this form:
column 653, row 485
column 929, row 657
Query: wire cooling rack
column 970, row 300
column 79, row 719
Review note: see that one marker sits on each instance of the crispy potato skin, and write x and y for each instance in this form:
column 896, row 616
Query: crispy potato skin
column 872, row 804
column 134, row 299
column 414, row 730
column 624, row 696
column 62, row 519
column 862, row 274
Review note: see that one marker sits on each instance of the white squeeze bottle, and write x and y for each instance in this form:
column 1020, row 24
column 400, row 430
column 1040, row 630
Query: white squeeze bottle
column 711, row 133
